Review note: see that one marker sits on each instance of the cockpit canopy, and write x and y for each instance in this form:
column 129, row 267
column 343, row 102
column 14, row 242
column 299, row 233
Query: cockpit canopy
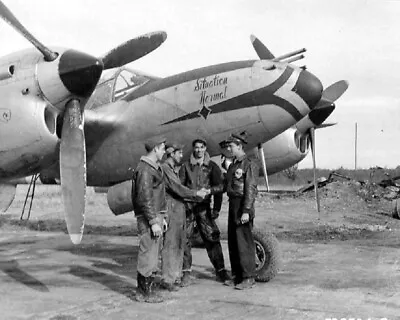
column 115, row 85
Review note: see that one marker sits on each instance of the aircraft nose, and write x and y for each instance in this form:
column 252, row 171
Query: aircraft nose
column 79, row 72
column 309, row 88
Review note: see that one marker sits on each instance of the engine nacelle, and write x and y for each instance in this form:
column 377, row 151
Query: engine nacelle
column 281, row 152
column 28, row 130
column 119, row 197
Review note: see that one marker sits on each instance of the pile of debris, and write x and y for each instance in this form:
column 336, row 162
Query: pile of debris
column 370, row 192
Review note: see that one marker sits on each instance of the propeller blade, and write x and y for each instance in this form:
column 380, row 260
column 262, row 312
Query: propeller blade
column 315, row 118
column 261, row 49
column 133, row 49
column 8, row 17
column 335, row 90
column 312, row 138
column 264, row 165
column 319, row 114
column 325, row 125
column 7, row 195
column 73, row 170
column 332, row 93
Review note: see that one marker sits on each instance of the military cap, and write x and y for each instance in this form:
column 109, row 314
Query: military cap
column 201, row 140
column 152, row 142
column 172, row 146
column 237, row 138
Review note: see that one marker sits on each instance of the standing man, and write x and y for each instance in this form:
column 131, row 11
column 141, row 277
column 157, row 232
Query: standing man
column 175, row 236
column 197, row 173
column 149, row 206
column 241, row 188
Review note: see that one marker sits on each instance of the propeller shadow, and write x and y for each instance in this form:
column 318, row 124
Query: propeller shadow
column 58, row 225
column 12, row 269
column 118, row 258
column 112, row 282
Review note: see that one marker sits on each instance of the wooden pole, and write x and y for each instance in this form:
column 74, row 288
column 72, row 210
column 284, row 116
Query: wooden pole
column 355, row 148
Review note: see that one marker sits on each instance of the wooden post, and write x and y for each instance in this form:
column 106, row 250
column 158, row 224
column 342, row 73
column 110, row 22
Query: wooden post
column 355, row 148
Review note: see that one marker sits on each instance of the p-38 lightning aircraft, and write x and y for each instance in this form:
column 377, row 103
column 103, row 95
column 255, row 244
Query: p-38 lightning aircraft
column 46, row 94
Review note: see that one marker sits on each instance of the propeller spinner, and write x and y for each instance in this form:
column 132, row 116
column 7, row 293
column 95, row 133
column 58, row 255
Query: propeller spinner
column 79, row 73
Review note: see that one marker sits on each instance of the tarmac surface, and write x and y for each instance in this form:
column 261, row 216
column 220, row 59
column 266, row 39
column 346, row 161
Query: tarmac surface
column 44, row 276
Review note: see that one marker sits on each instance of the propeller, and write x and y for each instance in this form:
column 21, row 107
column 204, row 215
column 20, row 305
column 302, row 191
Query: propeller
column 320, row 112
column 332, row 93
column 312, row 138
column 262, row 51
column 73, row 170
column 133, row 49
column 80, row 73
column 13, row 21
column 318, row 115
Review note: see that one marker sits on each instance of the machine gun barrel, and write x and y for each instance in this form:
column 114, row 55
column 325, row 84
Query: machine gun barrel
column 290, row 54
column 293, row 59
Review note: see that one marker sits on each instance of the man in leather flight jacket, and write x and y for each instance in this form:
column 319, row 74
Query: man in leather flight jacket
column 241, row 188
column 199, row 172
column 149, row 206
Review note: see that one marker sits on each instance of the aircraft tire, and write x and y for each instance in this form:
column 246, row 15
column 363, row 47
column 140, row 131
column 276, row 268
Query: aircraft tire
column 267, row 255
column 395, row 209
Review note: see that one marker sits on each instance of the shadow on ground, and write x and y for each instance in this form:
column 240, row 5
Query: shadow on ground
column 118, row 258
column 113, row 282
column 12, row 269
column 58, row 225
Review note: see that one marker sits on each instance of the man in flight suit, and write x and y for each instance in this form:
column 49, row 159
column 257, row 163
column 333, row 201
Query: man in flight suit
column 241, row 188
column 148, row 197
column 197, row 173
column 175, row 236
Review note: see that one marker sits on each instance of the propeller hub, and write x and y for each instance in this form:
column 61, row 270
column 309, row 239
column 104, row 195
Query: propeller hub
column 309, row 88
column 79, row 72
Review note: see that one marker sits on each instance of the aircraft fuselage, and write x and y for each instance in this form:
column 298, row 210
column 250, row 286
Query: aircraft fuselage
column 259, row 97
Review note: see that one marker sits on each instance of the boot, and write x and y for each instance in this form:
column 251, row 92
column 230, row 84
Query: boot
column 186, row 281
column 222, row 276
column 154, row 296
column 144, row 292
column 232, row 281
column 169, row 286
column 247, row 283
column 141, row 288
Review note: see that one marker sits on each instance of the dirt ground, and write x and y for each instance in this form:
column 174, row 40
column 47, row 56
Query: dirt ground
column 343, row 262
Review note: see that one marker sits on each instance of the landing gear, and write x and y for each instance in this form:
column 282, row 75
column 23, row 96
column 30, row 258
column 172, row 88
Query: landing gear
column 267, row 255
column 396, row 208
column 30, row 194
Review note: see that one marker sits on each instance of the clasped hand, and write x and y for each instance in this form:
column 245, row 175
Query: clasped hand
column 203, row 193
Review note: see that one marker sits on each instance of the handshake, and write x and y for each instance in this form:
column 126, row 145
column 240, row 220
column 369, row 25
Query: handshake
column 202, row 193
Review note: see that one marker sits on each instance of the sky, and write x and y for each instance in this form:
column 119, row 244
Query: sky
column 354, row 40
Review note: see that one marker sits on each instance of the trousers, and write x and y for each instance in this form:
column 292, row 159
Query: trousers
column 147, row 261
column 209, row 233
column 240, row 242
column 174, row 241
